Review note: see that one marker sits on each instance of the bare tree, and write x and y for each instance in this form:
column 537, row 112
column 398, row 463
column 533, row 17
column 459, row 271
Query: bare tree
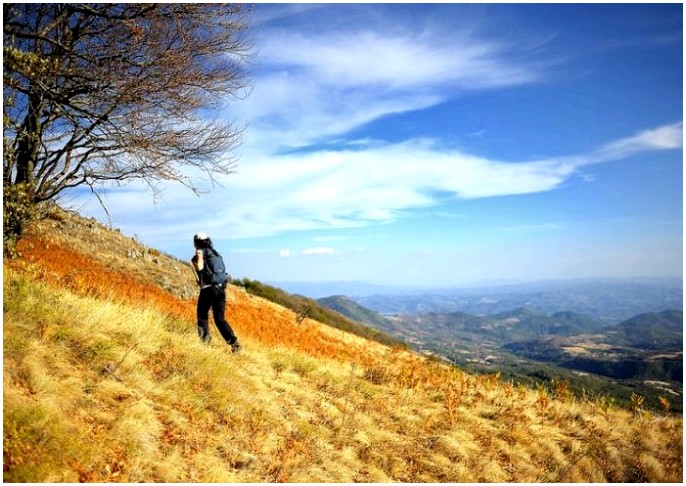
column 114, row 92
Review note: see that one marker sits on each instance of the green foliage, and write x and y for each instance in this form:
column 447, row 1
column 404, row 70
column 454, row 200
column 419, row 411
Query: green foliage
column 18, row 211
column 27, row 64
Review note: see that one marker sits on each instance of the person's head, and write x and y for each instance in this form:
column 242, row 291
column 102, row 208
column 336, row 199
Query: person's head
column 201, row 240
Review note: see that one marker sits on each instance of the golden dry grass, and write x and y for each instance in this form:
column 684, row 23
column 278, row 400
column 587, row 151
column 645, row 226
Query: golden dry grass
column 110, row 383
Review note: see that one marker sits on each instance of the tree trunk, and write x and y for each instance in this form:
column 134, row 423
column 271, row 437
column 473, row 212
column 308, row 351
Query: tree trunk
column 28, row 144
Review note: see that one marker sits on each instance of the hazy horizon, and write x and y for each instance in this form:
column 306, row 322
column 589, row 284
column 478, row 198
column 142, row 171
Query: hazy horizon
column 359, row 288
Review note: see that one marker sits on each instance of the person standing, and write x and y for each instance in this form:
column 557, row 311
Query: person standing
column 211, row 276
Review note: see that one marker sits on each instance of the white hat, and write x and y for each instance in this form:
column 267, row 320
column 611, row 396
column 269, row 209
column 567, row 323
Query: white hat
column 200, row 236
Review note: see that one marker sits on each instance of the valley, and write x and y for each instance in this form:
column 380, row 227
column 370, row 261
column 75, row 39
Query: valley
column 641, row 355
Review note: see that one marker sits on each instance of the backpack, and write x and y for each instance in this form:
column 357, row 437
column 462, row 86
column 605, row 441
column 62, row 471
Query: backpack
column 214, row 271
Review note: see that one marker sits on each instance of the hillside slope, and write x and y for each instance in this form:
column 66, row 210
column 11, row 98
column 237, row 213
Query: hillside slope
column 354, row 311
column 104, row 379
column 641, row 355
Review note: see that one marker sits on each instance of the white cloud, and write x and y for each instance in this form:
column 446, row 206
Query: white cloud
column 285, row 253
column 392, row 61
column 353, row 188
column 288, row 110
column 660, row 138
column 316, row 85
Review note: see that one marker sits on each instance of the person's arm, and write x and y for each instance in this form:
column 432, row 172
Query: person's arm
column 198, row 265
column 199, row 262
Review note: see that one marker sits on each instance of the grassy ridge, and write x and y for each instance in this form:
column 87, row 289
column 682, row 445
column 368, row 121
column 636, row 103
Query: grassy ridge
column 310, row 308
column 106, row 380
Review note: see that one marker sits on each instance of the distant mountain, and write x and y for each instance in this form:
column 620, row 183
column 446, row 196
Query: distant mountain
column 356, row 312
column 318, row 290
column 525, row 324
column 658, row 331
column 458, row 333
column 646, row 347
column 609, row 301
column 500, row 329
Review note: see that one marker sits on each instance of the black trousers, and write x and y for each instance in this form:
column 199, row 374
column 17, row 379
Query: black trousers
column 214, row 297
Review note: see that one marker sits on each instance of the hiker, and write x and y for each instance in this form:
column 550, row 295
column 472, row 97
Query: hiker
column 210, row 274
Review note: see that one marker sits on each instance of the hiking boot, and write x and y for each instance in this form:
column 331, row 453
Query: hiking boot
column 235, row 347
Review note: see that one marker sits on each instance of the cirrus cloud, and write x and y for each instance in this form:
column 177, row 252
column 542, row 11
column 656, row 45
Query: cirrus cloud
column 353, row 188
column 312, row 86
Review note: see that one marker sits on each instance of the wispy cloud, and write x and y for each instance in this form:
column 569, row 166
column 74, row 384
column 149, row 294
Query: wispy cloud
column 353, row 188
column 660, row 138
column 323, row 84
column 389, row 61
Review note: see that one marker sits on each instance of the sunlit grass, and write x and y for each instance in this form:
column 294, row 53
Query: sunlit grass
column 105, row 379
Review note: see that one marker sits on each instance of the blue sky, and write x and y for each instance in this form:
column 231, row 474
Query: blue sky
column 444, row 144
